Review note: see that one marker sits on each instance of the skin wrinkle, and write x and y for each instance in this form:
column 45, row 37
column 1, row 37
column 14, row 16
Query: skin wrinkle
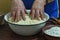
column 18, row 6
column 37, row 6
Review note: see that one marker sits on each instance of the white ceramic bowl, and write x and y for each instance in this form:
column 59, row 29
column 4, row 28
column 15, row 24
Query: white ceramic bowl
column 26, row 29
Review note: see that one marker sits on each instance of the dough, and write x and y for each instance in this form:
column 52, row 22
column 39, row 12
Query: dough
column 28, row 21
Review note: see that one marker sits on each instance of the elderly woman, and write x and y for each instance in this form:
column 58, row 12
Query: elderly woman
column 37, row 8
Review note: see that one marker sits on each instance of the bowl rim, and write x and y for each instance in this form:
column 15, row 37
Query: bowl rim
column 48, row 34
column 26, row 25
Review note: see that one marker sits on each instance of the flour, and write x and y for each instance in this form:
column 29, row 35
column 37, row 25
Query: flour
column 54, row 31
column 28, row 21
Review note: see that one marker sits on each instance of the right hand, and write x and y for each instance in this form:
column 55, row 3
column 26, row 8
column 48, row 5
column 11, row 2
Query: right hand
column 17, row 10
column 37, row 10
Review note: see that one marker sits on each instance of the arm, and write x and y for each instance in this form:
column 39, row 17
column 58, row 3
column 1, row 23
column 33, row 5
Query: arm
column 48, row 1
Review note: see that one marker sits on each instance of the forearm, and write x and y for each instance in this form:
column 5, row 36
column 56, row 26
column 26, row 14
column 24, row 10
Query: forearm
column 48, row 1
column 14, row 2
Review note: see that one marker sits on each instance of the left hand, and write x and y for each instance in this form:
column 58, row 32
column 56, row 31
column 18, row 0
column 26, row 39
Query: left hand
column 18, row 10
column 38, row 9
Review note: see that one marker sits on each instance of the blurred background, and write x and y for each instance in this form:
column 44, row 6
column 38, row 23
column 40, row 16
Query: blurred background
column 4, row 6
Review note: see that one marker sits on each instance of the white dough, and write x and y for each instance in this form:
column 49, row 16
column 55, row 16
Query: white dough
column 54, row 31
column 28, row 21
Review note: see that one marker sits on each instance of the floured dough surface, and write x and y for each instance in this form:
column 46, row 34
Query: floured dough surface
column 28, row 21
column 54, row 31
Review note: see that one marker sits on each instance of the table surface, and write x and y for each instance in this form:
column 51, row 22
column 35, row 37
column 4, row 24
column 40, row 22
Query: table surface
column 7, row 34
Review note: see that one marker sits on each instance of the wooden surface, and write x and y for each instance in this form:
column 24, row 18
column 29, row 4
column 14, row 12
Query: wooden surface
column 7, row 34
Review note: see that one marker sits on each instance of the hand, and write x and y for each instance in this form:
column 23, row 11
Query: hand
column 38, row 9
column 17, row 10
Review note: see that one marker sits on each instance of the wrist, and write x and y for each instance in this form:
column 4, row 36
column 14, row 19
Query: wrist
column 40, row 1
column 44, row 2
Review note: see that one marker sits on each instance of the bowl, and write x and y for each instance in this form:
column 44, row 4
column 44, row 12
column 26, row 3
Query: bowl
column 47, row 36
column 26, row 30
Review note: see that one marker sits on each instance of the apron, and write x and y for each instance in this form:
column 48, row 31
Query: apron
column 50, row 8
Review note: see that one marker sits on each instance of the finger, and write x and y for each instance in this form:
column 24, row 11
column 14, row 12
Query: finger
column 37, row 14
column 23, row 15
column 18, row 16
column 25, row 11
column 42, row 14
column 32, row 13
column 13, row 15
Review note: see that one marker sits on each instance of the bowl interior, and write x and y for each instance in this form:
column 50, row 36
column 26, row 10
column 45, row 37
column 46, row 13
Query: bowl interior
column 28, row 11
